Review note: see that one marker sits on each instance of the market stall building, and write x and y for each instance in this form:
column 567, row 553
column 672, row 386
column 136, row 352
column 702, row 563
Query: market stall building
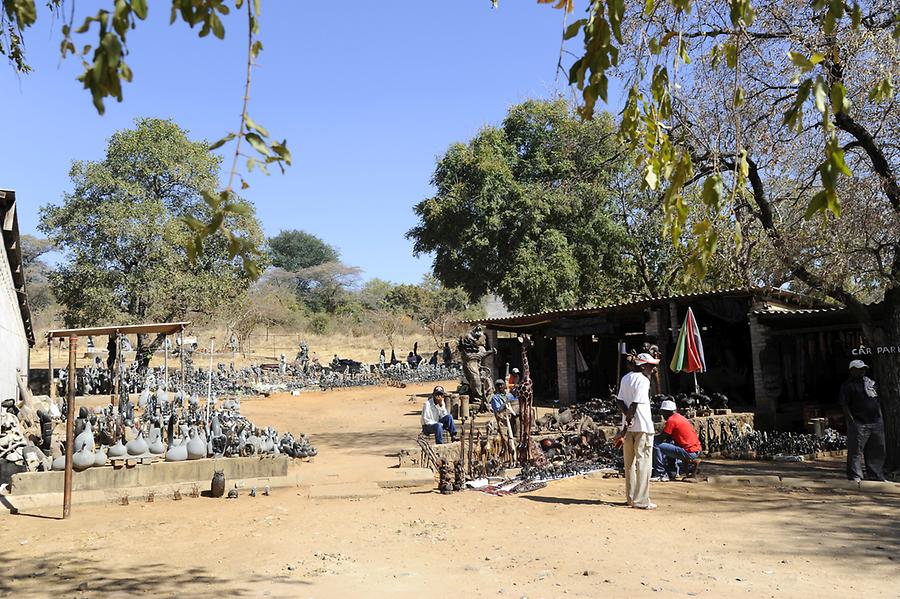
column 16, row 334
column 779, row 354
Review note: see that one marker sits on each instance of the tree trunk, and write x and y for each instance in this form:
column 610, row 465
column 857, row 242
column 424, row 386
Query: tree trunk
column 885, row 335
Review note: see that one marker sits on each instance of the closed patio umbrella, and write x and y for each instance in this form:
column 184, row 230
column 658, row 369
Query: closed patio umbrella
column 688, row 355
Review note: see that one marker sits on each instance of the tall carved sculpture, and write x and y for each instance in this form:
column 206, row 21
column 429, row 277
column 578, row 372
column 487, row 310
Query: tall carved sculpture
column 525, row 393
column 473, row 352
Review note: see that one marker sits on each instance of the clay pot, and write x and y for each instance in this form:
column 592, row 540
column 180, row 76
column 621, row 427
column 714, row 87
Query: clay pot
column 118, row 450
column 196, row 447
column 82, row 460
column 59, row 463
column 85, row 438
column 137, row 446
column 144, row 398
column 217, row 485
column 156, row 446
column 100, row 457
column 177, row 453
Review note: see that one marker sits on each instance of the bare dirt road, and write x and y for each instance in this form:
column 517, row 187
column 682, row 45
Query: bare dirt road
column 571, row 538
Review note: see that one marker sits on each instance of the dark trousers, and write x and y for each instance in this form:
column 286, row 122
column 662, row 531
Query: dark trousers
column 438, row 429
column 865, row 440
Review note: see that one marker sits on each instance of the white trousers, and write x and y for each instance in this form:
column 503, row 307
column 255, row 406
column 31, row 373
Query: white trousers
column 638, row 451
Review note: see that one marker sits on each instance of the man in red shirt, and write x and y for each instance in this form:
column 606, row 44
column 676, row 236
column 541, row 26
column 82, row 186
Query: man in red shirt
column 677, row 441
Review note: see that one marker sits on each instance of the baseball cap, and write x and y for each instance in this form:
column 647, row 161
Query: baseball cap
column 858, row 364
column 515, row 371
column 668, row 406
column 499, row 382
column 645, row 359
column 438, row 391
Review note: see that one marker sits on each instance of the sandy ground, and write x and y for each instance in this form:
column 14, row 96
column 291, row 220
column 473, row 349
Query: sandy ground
column 571, row 538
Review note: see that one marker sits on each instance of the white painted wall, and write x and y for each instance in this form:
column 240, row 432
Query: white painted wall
column 13, row 342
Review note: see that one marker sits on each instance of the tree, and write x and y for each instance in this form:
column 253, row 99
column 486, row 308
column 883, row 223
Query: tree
column 267, row 303
column 325, row 287
column 785, row 107
column 294, row 250
column 122, row 230
column 523, row 210
column 36, row 271
column 106, row 71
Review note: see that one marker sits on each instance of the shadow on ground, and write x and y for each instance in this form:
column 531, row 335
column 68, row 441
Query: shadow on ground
column 67, row 576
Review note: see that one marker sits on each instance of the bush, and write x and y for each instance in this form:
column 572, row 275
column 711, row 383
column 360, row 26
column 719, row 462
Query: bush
column 319, row 324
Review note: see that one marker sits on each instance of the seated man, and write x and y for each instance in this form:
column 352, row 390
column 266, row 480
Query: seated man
column 677, row 441
column 502, row 406
column 435, row 417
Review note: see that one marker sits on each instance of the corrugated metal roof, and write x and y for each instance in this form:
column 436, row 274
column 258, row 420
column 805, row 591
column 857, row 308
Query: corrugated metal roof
column 768, row 292
column 797, row 311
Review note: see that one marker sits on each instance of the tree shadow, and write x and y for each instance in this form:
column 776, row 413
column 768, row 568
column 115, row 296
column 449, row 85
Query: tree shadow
column 64, row 575
column 572, row 501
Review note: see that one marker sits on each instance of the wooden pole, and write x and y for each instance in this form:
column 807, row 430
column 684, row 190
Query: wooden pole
column 181, row 355
column 212, row 349
column 70, row 430
column 50, row 368
column 166, row 362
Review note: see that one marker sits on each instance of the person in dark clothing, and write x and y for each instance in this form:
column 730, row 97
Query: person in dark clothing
column 448, row 354
column 434, row 359
column 865, row 428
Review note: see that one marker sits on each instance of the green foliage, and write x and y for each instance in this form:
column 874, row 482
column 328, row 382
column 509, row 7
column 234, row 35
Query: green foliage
column 293, row 250
column 815, row 35
column 523, row 210
column 105, row 70
column 123, row 233
column 37, row 284
column 319, row 324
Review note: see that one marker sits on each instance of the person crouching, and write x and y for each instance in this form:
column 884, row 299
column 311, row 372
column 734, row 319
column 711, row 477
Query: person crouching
column 677, row 441
column 435, row 417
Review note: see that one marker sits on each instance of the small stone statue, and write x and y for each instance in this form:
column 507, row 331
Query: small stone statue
column 459, row 480
column 217, row 485
column 445, row 485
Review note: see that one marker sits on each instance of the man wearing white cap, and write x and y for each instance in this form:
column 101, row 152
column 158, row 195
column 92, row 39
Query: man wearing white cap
column 677, row 441
column 865, row 428
column 637, row 432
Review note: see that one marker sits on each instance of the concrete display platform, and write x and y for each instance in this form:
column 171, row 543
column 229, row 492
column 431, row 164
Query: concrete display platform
column 150, row 475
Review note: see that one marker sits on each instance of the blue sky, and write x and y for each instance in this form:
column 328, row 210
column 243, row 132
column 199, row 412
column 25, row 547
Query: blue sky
column 368, row 94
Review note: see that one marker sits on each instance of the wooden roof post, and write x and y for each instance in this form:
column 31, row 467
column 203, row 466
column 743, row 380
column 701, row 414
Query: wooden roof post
column 70, row 429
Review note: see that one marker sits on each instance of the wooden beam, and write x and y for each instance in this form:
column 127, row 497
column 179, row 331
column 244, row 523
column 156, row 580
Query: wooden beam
column 166, row 328
column 70, row 430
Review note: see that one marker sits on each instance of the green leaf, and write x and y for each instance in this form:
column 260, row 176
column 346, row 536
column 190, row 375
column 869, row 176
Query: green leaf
column 651, row 178
column 839, row 101
column 818, row 203
column 820, row 94
column 883, row 90
column 739, row 97
column 140, row 8
column 221, row 142
column 713, row 190
column 258, row 143
column 251, row 124
column 573, row 29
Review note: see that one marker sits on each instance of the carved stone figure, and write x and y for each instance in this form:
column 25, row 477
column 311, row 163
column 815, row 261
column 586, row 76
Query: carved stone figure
column 473, row 352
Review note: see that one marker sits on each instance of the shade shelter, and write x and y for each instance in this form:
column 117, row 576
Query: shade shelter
column 165, row 328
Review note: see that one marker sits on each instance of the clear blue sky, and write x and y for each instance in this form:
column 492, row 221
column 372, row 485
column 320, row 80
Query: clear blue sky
column 368, row 94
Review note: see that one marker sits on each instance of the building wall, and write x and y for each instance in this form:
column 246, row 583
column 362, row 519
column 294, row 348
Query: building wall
column 14, row 343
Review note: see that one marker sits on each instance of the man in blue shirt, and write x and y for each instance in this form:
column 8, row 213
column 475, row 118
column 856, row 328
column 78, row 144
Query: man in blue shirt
column 501, row 406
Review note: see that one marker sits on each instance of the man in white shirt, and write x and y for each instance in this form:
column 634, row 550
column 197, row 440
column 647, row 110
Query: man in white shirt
column 435, row 417
column 637, row 432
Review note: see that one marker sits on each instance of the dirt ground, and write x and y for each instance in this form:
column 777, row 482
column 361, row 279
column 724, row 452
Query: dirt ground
column 572, row 538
